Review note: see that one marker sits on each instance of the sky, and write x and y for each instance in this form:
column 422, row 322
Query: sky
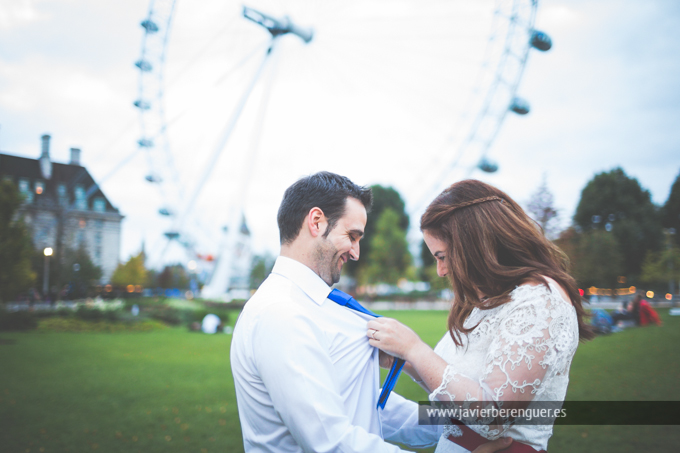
column 381, row 94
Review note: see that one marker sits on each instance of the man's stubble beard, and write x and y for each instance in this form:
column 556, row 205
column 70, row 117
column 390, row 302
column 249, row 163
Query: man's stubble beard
column 326, row 257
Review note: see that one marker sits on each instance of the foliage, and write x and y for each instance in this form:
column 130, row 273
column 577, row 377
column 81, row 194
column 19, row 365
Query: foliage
column 541, row 209
column 383, row 198
column 61, row 324
column 79, row 272
column 94, row 314
column 388, row 257
column 614, row 201
column 173, row 276
column 595, row 258
column 16, row 248
column 662, row 267
column 18, row 320
column 260, row 269
column 670, row 212
column 133, row 272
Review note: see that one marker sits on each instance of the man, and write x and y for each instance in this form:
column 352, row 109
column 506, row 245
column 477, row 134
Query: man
column 306, row 377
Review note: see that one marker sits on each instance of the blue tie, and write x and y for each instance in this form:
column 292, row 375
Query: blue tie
column 348, row 301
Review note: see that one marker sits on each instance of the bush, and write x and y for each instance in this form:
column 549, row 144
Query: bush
column 80, row 325
column 18, row 320
column 164, row 313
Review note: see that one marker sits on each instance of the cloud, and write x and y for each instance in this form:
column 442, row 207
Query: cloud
column 17, row 13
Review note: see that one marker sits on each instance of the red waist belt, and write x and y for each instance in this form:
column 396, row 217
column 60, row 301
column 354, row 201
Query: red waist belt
column 472, row 440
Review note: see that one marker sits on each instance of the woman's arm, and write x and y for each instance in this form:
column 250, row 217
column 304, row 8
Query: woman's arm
column 523, row 350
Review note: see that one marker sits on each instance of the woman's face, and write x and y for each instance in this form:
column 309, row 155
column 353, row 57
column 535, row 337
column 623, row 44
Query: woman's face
column 438, row 249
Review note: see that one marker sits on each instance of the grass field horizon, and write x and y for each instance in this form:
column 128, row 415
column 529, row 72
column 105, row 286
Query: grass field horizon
column 172, row 391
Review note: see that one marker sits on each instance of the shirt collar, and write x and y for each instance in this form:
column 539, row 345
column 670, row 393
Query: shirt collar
column 305, row 278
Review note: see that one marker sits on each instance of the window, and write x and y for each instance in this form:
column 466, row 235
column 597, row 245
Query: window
column 99, row 224
column 39, row 187
column 98, row 238
column 99, row 205
column 25, row 189
column 81, row 201
column 62, row 194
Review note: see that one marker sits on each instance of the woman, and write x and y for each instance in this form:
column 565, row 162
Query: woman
column 515, row 321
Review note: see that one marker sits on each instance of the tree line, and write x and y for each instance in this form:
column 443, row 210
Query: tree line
column 617, row 238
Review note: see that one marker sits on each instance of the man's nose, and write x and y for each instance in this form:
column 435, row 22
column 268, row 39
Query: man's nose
column 354, row 252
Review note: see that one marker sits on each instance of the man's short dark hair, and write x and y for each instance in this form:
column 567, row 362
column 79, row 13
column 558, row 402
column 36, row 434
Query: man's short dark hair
column 324, row 190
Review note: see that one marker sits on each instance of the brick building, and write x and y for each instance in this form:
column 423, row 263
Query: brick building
column 64, row 208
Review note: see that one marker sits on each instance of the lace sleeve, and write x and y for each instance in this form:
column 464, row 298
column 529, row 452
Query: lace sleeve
column 532, row 341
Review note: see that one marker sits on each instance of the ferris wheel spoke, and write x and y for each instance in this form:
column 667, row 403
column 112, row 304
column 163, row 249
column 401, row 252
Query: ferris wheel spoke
column 380, row 79
column 258, row 50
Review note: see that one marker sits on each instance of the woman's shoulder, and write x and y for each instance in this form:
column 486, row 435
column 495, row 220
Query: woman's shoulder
column 537, row 291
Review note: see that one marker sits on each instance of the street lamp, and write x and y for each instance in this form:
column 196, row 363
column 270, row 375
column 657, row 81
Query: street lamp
column 46, row 278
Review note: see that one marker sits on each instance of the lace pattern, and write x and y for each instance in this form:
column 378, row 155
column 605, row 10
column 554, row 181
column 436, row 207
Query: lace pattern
column 520, row 351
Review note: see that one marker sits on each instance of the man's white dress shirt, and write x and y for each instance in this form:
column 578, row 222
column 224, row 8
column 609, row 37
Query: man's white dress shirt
column 306, row 377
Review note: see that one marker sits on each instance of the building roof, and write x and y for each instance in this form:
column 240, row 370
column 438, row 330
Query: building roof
column 69, row 175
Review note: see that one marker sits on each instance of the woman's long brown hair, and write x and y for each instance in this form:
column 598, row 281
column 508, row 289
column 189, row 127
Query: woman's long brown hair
column 492, row 247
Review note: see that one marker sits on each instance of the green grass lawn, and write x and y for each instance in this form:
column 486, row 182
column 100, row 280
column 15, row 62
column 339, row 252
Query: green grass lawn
column 172, row 390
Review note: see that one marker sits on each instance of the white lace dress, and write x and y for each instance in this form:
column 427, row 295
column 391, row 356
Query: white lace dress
column 521, row 351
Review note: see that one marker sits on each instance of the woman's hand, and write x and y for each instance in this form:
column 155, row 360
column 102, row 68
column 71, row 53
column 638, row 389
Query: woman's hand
column 393, row 337
column 386, row 360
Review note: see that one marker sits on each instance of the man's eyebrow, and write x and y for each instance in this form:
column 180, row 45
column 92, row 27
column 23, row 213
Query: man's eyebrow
column 359, row 233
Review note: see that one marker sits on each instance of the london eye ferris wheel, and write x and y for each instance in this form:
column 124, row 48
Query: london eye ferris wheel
column 236, row 102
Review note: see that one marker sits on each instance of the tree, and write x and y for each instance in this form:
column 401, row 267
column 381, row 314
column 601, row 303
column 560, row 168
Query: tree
column 133, row 272
column 260, row 269
column 173, row 276
column 383, row 198
column 541, row 209
column 598, row 260
column 389, row 257
column 16, row 248
column 662, row 267
column 616, row 203
column 670, row 213
column 79, row 272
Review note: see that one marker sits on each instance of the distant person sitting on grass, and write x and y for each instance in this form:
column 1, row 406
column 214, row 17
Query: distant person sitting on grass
column 629, row 313
column 647, row 314
column 638, row 312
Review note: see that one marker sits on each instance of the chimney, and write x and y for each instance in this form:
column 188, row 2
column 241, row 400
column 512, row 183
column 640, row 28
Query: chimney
column 45, row 163
column 45, row 145
column 75, row 156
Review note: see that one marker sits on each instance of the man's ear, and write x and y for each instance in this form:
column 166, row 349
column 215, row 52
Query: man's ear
column 316, row 222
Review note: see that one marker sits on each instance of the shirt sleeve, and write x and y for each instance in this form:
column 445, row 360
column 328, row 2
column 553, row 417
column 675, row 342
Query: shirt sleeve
column 292, row 358
column 531, row 344
column 400, row 424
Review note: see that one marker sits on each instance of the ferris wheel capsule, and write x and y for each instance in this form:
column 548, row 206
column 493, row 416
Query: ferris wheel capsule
column 164, row 212
column 540, row 40
column 150, row 26
column 171, row 235
column 153, row 179
column 519, row 106
column 143, row 65
column 145, row 143
column 142, row 104
column 487, row 165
